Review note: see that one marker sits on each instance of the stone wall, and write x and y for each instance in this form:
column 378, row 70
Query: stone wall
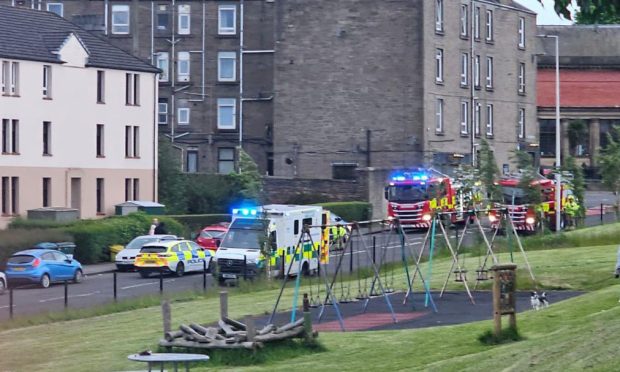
column 282, row 190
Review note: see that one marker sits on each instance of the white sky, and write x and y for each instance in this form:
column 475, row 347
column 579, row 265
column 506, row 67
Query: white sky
column 546, row 14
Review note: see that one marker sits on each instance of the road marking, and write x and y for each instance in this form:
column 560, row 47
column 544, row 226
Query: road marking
column 72, row 296
column 4, row 307
column 145, row 284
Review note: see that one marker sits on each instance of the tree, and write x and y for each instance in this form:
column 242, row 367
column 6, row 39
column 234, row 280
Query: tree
column 591, row 11
column 248, row 178
column 609, row 163
column 172, row 185
column 489, row 172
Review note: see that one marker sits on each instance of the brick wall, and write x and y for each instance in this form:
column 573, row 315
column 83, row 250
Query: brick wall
column 282, row 190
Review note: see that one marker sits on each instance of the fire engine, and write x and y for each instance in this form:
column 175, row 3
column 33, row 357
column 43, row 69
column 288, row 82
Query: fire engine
column 521, row 210
column 241, row 253
column 413, row 195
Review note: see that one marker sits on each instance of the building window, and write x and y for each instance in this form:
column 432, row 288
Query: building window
column 128, row 190
column 132, row 141
column 464, row 117
column 192, row 161
column 521, row 132
column 225, row 160
column 489, row 120
column 14, row 78
column 120, row 19
column 4, row 79
column 99, row 195
column 344, row 171
column 464, row 23
column 183, row 115
column 47, row 81
column 47, row 191
column 47, row 138
column 184, row 19
column 226, row 113
column 477, row 117
column 100, row 86
column 136, row 189
column 521, row 32
column 489, row 83
column 521, row 78
column 10, row 78
column 464, row 69
column 132, row 89
column 547, row 138
column 183, row 66
column 10, row 136
column 162, row 111
column 439, row 116
column 227, row 20
column 477, row 72
column 489, row 25
column 439, row 15
column 14, row 195
column 163, row 18
column 163, row 63
column 55, row 8
column 227, row 66
column 100, row 141
column 5, row 195
column 439, row 66
column 477, row 23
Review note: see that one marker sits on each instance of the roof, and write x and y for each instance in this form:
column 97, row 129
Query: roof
column 580, row 46
column 140, row 203
column 35, row 35
column 579, row 88
column 289, row 208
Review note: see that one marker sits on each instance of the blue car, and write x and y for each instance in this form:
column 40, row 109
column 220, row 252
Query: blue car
column 43, row 266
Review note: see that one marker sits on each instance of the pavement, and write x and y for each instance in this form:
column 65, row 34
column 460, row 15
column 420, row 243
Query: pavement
column 100, row 268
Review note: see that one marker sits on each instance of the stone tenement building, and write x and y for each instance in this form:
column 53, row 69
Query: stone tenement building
column 401, row 83
column 317, row 88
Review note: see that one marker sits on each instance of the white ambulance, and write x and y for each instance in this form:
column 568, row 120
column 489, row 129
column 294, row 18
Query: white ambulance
column 278, row 227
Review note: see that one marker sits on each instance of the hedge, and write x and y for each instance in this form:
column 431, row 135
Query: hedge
column 350, row 211
column 15, row 240
column 195, row 222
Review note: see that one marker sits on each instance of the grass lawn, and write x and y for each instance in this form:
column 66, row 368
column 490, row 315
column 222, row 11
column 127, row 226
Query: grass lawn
column 559, row 337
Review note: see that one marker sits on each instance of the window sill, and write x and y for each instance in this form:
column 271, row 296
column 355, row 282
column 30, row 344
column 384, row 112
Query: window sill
column 477, row 38
column 132, row 105
column 10, row 215
column 477, row 135
column 132, row 157
column 47, row 98
column 521, row 93
column 464, row 86
column 439, row 82
column 489, row 89
column 49, row 155
column 10, row 153
column 440, row 133
column 227, row 82
column 477, row 87
column 228, row 36
column 439, row 32
column 489, row 41
column 489, row 136
column 100, row 156
column 521, row 47
column 465, row 135
column 120, row 36
column 227, row 130
column 464, row 37
column 100, row 103
column 10, row 95
column 100, row 214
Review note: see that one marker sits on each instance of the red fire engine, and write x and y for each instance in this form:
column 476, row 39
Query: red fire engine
column 413, row 195
column 521, row 210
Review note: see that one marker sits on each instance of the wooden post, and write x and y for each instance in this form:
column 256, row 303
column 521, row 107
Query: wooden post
column 166, row 315
column 250, row 328
column 307, row 319
column 504, row 286
column 223, row 304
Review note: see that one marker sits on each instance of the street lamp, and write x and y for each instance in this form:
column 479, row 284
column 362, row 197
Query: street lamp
column 558, row 175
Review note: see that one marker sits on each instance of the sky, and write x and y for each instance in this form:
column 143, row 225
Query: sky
column 546, row 14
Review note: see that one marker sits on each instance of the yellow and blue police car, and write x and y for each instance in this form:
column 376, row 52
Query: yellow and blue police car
column 175, row 256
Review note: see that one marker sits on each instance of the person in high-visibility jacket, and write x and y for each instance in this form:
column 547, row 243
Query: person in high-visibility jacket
column 571, row 210
column 338, row 233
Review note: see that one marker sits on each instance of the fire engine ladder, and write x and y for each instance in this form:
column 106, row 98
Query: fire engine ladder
column 305, row 238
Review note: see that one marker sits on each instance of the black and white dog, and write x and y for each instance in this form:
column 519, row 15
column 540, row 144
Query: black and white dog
column 539, row 301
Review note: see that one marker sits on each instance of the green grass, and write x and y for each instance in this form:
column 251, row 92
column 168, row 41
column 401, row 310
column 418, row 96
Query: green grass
column 103, row 342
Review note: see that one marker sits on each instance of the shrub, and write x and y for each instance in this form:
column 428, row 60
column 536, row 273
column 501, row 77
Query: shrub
column 14, row 240
column 350, row 211
column 20, row 223
column 195, row 222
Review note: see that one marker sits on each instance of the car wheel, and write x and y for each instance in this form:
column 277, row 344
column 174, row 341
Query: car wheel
column 78, row 277
column 144, row 274
column 45, row 281
column 180, row 269
column 2, row 286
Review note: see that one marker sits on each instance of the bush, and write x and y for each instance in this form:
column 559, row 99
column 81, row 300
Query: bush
column 14, row 240
column 350, row 211
column 20, row 223
column 195, row 222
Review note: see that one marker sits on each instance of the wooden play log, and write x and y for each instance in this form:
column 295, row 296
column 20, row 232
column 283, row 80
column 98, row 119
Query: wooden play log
column 291, row 333
column 289, row 326
column 234, row 323
column 169, row 336
column 223, row 304
column 189, row 331
column 198, row 328
column 228, row 331
column 267, row 329
column 211, row 345
column 166, row 315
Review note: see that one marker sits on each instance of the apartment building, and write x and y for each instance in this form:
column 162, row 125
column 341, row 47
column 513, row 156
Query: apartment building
column 216, row 57
column 363, row 83
column 78, row 119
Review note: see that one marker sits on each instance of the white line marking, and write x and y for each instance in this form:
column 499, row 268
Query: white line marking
column 72, row 296
column 145, row 284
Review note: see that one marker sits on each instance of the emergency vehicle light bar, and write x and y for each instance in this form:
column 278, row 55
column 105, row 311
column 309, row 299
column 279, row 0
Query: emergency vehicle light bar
column 409, row 176
column 245, row 211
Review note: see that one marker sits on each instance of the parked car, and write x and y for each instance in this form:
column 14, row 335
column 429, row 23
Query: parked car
column 43, row 266
column 3, row 283
column 125, row 258
column 177, row 256
column 211, row 236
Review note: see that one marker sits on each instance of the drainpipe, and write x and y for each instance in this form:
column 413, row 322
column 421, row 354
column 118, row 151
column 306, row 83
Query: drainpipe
column 105, row 17
column 173, row 77
column 472, row 90
column 241, row 74
column 202, row 59
column 155, row 134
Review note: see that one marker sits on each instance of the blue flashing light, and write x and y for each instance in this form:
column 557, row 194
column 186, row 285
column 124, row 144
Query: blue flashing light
column 401, row 176
column 245, row 211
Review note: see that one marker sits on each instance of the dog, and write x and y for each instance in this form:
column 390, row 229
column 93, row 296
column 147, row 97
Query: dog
column 539, row 301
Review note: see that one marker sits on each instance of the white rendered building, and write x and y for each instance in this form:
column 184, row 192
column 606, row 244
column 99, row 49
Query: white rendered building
column 77, row 119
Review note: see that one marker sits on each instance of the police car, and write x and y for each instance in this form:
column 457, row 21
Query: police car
column 177, row 256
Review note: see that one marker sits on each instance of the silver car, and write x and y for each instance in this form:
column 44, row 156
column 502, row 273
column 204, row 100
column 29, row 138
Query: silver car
column 3, row 282
column 125, row 259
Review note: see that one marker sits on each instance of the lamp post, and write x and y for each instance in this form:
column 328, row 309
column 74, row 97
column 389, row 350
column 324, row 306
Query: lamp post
column 558, row 175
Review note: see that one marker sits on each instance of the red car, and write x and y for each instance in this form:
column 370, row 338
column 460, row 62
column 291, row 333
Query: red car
column 211, row 236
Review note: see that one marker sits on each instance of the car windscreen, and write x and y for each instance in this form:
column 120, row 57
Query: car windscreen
column 245, row 234
column 407, row 193
column 153, row 249
column 514, row 196
column 212, row 234
column 21, row 259
column 137, row 243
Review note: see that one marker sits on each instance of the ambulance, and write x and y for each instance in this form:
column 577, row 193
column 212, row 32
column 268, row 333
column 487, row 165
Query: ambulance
column 277, row 230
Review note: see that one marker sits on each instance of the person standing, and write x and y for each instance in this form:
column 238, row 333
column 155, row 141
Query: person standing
column 153, row 227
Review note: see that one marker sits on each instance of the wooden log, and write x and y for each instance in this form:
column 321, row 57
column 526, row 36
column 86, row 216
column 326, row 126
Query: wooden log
column 212, row 345
column 189, row 331
column 289, row 326
column 228, row 331
column 166, row 315
column 250, row 329
column 235, row 323
column 267, row 329
column 212, row 333
column 291, row 333
column 223, row 304
column 169, row 336
column 198, row 328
